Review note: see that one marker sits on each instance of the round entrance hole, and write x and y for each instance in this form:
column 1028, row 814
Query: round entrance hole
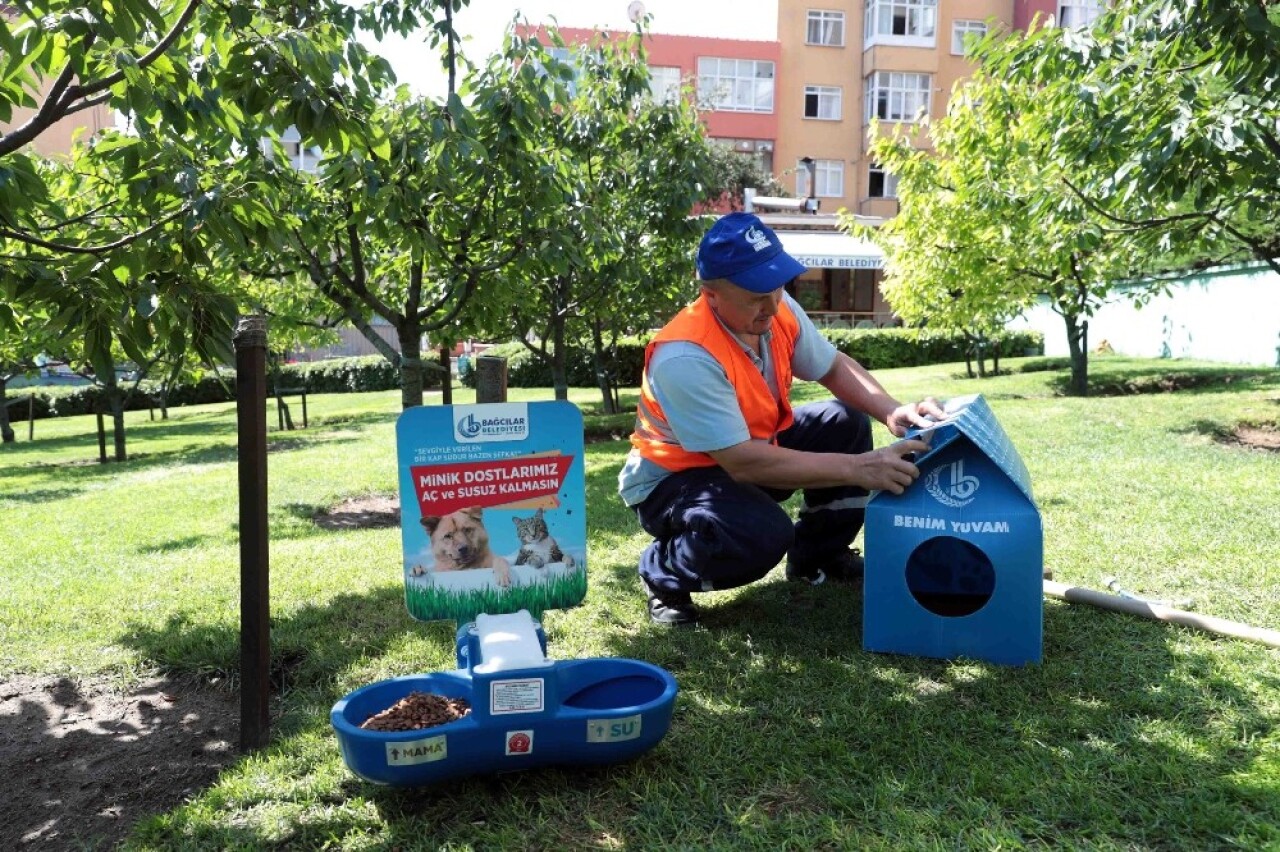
column 950, row 577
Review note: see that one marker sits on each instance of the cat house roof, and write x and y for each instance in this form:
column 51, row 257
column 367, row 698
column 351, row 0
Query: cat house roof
column 971, row 417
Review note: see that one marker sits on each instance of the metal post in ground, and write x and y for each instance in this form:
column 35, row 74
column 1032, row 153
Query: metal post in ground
column 255, row 634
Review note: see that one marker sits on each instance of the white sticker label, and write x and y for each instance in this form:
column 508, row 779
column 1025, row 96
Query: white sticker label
column 613, row 730
column 506, row 421
column 519, row 742
column 417, row 751
column 516, row 696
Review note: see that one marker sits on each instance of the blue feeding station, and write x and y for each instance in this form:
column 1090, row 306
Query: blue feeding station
column 494, row 526
column 526, row 710
column 955, row 564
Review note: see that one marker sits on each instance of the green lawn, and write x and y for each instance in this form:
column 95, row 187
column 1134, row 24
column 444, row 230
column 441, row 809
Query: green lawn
column 1131, row 735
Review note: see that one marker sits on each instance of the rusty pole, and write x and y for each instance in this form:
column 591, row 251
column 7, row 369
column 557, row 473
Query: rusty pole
column 255, row 599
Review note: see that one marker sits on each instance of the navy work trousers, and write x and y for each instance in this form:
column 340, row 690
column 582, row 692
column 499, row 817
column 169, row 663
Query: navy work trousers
column 711, row 532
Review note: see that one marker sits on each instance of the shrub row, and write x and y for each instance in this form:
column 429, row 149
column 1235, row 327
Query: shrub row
column 875, row 349
column 525, row 370
column 884, row 348
column 340, row 375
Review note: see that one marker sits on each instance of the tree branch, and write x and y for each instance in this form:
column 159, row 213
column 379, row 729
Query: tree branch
column 66, row 248
column 49, row 112
column 87, row 103
column 77, row 92
column 1138, row 223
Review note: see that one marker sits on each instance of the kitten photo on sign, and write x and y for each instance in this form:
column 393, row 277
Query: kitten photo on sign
column 537, row 547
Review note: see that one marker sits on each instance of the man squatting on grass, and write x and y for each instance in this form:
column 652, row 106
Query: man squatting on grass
column 717, row 445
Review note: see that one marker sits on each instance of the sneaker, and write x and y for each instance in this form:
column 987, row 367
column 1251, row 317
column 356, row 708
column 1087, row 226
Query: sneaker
column 844, row 567
column 671, row 609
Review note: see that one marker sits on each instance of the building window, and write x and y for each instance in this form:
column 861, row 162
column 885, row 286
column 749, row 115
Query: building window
column 825, row 28
column 881, row 183
column 735, row 85
column 964, row 32
column 1079, row 13
column 568, row 56
column 897, row 95
column 664, row 83
column 901, row 21
column 828, row 178
column 822, row 102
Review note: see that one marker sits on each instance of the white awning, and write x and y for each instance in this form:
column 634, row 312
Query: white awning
column 823, row 250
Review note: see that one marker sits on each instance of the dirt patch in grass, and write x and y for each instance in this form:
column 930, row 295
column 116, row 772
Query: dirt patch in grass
column 361, row 513
column 85, row 761
column 1255, row 436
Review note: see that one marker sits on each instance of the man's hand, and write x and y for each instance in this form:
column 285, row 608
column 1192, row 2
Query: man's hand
column 887, row 469
column 918, row 415
column 768, row 465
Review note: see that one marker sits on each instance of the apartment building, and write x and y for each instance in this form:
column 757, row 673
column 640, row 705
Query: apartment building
column 737, row 84
column 735, row 81
column 845, row 62
column 850, row 61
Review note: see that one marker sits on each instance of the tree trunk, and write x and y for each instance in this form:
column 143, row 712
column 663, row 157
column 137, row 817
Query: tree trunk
column 604, row 378
column 115, row 399
column 1078, row 347
column 164, row 401
column 410, row 366
column 446, row 385
column 559, row 375
column 6, row 429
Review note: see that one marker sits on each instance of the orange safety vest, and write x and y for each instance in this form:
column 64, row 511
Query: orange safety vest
column 765, row 416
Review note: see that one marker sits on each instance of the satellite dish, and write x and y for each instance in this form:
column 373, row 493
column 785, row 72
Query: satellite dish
column 635, row 11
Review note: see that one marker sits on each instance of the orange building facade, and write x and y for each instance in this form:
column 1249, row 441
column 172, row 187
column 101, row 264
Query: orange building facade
column 735, row 80
column 850, row 61
column 845, row 62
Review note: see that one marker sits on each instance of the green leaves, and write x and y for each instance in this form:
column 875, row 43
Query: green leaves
column 1186, row 116
column 150, row 229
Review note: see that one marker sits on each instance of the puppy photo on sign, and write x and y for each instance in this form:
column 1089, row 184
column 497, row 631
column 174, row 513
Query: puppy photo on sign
column 460, row 542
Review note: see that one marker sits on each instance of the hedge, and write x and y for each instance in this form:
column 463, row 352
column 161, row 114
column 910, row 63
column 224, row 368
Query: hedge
column 339, row 375
column 874, row 348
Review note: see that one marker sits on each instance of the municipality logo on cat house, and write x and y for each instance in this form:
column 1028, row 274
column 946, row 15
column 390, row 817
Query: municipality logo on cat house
column 955, row 563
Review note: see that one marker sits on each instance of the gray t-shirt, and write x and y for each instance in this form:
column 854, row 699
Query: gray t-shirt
column 701, row 404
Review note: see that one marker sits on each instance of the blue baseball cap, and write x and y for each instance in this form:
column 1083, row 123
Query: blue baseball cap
column 747, row 252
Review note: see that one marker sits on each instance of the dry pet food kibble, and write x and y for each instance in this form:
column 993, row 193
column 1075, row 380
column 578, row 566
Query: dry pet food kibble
column 418, row 710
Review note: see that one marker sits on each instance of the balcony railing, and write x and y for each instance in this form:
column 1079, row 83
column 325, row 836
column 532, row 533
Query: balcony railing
column 853, row 319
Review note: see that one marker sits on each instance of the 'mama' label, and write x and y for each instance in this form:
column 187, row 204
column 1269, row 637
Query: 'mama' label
column 417, row 751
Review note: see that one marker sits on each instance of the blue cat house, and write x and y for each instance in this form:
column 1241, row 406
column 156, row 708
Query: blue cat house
column 954, row 565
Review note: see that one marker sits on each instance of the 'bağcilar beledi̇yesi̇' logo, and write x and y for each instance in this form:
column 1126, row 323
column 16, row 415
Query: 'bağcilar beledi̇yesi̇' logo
column 469, row 426
column 496, row 422
column 949, row 485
